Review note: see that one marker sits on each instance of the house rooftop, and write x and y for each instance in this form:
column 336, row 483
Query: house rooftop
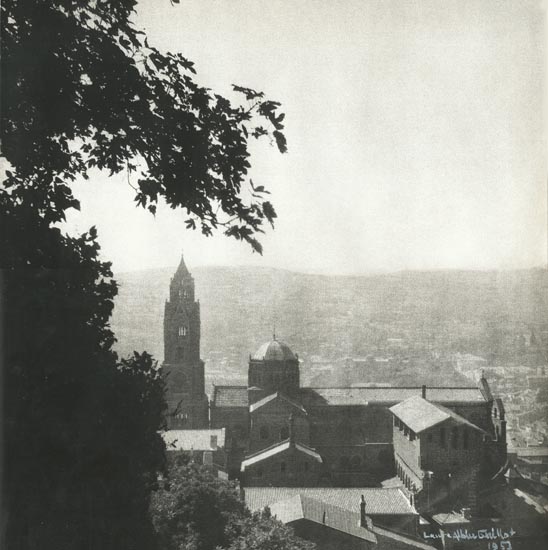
column 300, row 507
column 272, row 397
column 194, row 440
column 388, row 395
column 230, row 396
column 420, row 414
column 379, row 501
column 276, row 449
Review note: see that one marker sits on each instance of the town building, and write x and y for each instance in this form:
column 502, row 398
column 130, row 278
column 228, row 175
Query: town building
column 407, row 451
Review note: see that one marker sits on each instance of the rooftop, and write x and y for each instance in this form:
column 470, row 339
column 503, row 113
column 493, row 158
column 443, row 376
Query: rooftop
column 276, row 449
column 301, row 507
column 230, row 396
column 378, row 501
column 388, row 395
column 419, row 414
column 270, row 398
column 193, row 440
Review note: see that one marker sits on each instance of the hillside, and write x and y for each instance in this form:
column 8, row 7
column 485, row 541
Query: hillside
column 420, row 315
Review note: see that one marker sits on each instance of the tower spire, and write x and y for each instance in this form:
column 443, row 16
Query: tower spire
column 182, row 270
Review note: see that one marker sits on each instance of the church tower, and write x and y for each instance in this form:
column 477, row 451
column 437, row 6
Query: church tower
column 184, row 370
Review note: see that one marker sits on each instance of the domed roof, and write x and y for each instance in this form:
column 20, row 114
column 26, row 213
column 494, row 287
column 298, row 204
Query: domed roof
column 274, row 351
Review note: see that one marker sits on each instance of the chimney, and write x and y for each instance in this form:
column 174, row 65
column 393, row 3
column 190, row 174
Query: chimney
column 213, row 442
column 363, row 522
column 424, row 391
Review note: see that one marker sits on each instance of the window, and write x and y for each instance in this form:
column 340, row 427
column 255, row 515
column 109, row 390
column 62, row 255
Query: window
column 260, row 472
column 282, row 467
column 264, row 432
column 284, row 433
column 183, row 330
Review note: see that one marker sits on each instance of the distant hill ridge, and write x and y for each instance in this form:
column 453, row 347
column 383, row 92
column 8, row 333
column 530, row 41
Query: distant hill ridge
column 335, row 316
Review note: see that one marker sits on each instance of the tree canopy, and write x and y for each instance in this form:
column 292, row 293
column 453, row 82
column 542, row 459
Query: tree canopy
column 81, row 448
column 195, row 510
column 82, row 88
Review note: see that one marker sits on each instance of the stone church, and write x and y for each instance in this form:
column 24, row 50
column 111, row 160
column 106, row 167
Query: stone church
column 279, row 433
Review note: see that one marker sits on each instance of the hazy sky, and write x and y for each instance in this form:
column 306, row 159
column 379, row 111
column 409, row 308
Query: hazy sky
column 416, row 134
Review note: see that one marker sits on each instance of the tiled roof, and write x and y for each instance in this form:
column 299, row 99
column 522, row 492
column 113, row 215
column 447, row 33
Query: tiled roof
column 276, row 449
column 387, row 395
column 300, row 507
column 230, row 396
column 269, row 398
column 419, row 414
column 378, row 501
column 193, row 440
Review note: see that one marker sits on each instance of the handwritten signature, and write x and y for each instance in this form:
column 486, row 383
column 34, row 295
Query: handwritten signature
column 492, row 534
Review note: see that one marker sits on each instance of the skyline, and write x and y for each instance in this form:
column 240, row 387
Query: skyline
column 414, row 136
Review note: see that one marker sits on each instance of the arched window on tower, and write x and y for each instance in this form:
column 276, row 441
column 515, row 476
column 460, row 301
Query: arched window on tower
column 183, row 330
column 284, row 433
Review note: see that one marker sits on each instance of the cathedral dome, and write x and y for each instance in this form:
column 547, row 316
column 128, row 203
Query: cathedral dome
column 274, row 351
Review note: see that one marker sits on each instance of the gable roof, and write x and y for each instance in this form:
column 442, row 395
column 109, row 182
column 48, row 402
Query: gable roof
column 387, row 395
column 379, row 501
column 277, row 449
column 274, row 396
column 193, row 440
column 301, row 507
column 419, row 414
column 230, row 396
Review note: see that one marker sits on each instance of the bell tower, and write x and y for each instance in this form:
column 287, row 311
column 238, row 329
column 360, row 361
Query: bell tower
column 183, row 368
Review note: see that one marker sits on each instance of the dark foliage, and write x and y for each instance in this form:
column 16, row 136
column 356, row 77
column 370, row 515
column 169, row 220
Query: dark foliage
column 194, row 510
column 80, row 439
column 83, row 89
